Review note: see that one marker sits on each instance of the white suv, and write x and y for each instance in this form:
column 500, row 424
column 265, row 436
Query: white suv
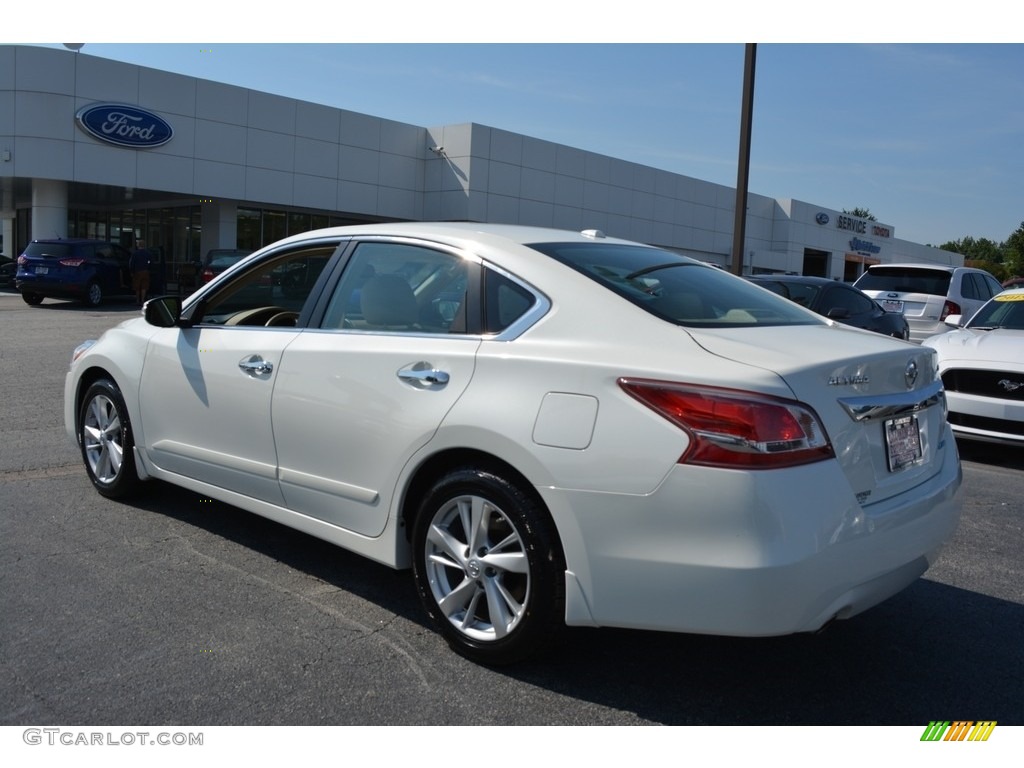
column 927, row 294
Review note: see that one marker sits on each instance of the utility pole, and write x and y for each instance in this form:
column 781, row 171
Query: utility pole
column 739, row 229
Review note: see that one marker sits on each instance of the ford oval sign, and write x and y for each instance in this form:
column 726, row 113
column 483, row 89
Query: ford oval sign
column 821, row 218
column 124, row 126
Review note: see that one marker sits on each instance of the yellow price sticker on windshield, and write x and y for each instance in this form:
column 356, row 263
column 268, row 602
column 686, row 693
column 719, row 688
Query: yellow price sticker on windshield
column 1009, row 297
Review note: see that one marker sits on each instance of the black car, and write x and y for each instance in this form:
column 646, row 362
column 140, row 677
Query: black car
column 219, row 259
column 73, row 268
column 7, row 270
column 836, row 301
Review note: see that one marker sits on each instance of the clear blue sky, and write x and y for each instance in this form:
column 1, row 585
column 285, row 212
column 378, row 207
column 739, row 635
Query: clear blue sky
column 929, row 137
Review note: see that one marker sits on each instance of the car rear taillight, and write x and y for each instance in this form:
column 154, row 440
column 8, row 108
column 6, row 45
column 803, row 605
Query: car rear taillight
column 950, row 308
column 733, row 428
column 207, row 275
column 22, row 261
column 71, row 262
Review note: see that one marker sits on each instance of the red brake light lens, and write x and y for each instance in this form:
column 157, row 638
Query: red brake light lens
column 950, row 308
column 207, row 275
column 736, row 429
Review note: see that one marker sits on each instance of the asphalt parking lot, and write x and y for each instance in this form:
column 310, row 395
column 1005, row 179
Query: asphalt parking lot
column 174, row 609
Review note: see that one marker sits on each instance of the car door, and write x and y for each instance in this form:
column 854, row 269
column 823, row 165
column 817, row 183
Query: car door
column 112, row 269
column 849, row 306
column 206, row 390
column 359, row 395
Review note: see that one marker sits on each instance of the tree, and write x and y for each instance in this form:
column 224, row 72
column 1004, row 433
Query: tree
column 981, row 249
column 861, row 213
column 1013, row 250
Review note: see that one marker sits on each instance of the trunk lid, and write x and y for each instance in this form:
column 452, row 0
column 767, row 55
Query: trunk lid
column 879, row 399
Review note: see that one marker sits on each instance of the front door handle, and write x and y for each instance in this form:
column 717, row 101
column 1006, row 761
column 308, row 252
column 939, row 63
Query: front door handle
column 254, row 365
column 423, row 375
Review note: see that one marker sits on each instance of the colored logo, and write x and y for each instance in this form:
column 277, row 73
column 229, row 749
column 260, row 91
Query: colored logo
column 124, row 125
column 958, row 730
column 821, row 218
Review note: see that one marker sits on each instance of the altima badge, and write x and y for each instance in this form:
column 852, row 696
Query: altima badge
column 847, row 381
column 910, row 374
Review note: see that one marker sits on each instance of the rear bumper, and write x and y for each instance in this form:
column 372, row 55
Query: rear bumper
column 51, row 288
column 923, row 329
column 748, row 554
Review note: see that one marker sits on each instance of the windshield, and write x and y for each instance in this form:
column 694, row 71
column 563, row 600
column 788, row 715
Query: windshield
column 1004, row 311
column 49, row 250
column 905, row 280
column 676, row 288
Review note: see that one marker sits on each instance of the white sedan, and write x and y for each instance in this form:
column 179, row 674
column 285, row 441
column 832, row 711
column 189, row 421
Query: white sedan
column 550, row 428
column 982, row 367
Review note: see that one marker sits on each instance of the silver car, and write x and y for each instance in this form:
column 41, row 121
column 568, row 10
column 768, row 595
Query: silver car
column 927, row 294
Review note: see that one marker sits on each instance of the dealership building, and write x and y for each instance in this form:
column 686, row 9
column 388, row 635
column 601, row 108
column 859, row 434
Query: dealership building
column 96, row 148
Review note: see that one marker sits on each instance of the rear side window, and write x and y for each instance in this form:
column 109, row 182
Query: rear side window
column 974, row 287
column 504, row 302
column 906, row 280
column 676, row 288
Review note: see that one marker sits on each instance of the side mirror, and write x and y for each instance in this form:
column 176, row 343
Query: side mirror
column 954, row 321
column 163, row 311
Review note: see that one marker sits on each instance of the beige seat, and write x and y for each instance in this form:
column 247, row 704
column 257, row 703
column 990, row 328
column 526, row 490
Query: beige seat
column 387, row 301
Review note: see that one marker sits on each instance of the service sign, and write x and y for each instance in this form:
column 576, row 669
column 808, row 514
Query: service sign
column 124, row 125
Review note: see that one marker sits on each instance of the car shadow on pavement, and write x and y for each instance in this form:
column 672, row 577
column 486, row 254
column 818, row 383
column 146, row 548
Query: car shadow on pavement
column 1010, row 456
column 112, row 305
column 932, row 652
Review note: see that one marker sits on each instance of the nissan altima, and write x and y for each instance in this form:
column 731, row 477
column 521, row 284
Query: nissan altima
column 548, row 428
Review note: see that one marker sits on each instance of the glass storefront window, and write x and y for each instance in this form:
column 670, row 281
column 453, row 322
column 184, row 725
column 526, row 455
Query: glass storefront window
column 298, row 222
column 275, row 226
column 249, row 233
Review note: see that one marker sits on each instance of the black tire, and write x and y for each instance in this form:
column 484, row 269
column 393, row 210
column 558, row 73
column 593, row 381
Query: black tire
column 32, row 299
column 107, row 442
column 517, row 569
column 93, row 294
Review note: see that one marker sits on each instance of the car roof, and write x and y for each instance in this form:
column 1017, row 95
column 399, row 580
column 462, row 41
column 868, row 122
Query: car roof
column 919, row 265
column 458, row 231
column 808, row 279
column 70, row 240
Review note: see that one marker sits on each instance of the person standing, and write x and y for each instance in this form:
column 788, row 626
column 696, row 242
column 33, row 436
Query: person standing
column 139, row 267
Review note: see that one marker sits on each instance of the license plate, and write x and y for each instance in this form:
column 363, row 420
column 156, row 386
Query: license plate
column 42, row 270
column 902, row 442
column 892, row 305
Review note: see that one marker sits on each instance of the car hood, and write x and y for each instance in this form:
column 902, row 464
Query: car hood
column 999, row 345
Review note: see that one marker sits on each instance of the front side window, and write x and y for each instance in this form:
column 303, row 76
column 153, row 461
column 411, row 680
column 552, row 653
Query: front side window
column 272, row 293
column 676, row 288
column 854, row 302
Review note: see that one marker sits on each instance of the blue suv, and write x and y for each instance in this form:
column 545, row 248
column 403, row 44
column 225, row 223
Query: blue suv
column 73, row 268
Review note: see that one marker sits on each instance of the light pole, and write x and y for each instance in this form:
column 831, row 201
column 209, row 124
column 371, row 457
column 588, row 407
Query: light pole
column 739, row 230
